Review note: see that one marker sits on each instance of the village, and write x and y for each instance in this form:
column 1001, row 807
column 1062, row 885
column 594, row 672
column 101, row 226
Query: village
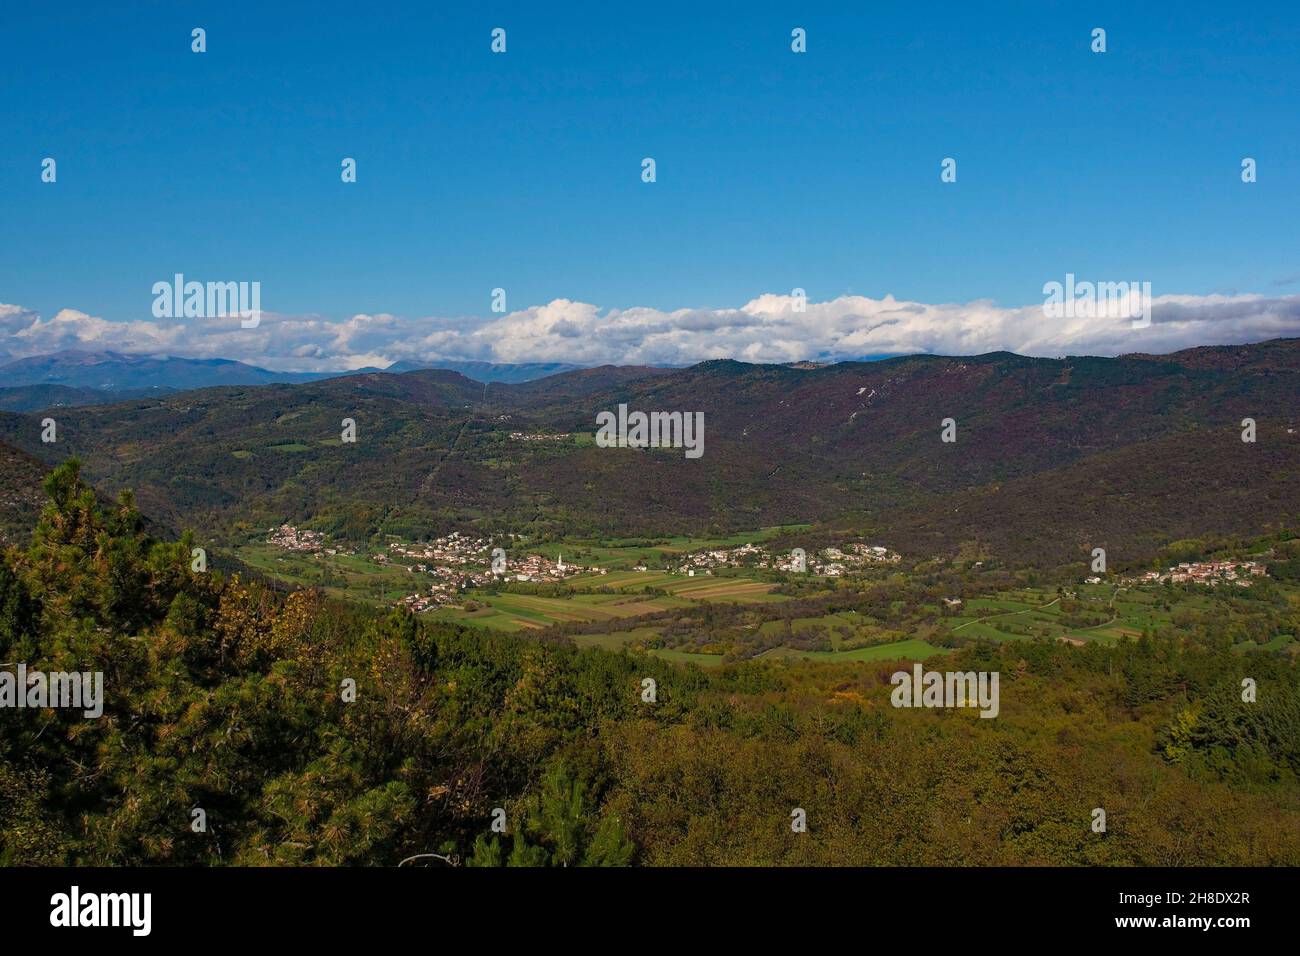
column 455, row 562
column 1205, row 572
column 302, row 540
column 829, row 562
column 540, row 436
column 458, row 562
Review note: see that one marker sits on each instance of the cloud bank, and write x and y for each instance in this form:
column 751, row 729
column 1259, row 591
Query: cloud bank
column 766, row 329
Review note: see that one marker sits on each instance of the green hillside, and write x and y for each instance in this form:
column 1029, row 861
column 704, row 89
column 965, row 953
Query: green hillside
column 316, row 732
column 1052, row 457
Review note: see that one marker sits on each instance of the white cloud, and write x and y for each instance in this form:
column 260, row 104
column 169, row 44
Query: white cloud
column 765, row 329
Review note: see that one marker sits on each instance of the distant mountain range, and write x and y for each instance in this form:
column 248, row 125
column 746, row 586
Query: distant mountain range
column 117, row 372
column 31, row 398
column 486, row 371
column 1053, row 456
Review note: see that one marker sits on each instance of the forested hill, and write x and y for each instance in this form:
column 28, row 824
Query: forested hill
column 1087, row 445
column 311, row 732
column 21, row 476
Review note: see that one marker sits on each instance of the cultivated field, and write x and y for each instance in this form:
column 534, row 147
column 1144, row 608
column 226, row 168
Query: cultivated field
column 513, row 611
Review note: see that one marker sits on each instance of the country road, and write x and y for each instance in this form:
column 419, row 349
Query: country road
column 1012, row 613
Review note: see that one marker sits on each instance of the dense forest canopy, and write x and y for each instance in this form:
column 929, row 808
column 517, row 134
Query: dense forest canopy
column 227, row 697
column 1052, row 457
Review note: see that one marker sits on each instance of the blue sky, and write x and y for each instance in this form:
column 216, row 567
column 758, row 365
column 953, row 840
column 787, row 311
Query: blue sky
column 522, row 170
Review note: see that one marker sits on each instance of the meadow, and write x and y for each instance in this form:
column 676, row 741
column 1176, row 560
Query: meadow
column 1031, row 613
column 512, row 611
column 1081, row 614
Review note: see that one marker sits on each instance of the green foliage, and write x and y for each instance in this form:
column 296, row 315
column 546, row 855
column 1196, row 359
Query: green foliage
column 1232, row 739
column 224, row 696
column 1127, row 453
column 558, row 827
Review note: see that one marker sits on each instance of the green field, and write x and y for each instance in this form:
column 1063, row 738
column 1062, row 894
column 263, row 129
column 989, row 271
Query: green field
column 354, row 576
column 683, row 657
column 1082, row 614
column 617, row 640
column 1030, row 613
column 620, row 593
column 899, row 650
column 1279, row 643
column 513, row 612
column 710, row 587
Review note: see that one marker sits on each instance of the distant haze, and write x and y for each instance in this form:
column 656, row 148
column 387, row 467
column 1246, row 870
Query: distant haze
column 119, row 372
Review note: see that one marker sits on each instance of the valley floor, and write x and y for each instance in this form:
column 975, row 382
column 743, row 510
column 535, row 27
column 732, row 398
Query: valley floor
column 628, row 595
